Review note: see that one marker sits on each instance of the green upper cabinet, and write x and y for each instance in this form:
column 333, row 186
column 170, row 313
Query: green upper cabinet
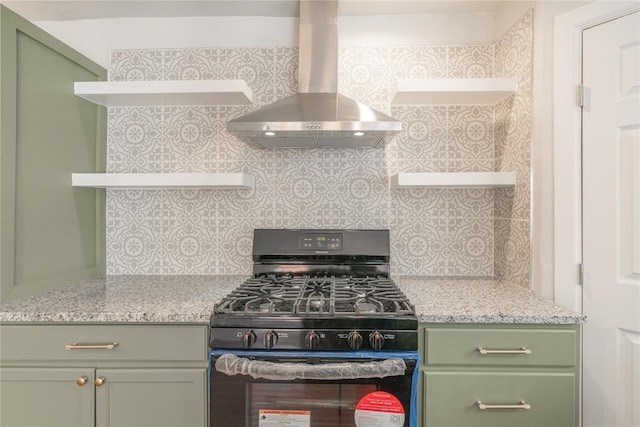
column 51, row 233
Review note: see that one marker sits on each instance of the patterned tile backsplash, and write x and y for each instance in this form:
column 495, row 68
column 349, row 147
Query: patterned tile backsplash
column 450, row 232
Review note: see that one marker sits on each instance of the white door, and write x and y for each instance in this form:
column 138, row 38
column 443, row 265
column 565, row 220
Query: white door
column 611, row 223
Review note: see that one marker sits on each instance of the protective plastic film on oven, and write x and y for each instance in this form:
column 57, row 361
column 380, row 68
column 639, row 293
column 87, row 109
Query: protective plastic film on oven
column 364, row 389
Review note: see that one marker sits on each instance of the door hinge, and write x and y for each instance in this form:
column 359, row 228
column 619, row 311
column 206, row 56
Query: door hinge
column 580, row 95
column 581, row 274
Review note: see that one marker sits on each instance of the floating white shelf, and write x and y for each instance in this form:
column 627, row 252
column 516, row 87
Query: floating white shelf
column 163, row 180
column 175, row 92
column 452, row 91
column 454, row 180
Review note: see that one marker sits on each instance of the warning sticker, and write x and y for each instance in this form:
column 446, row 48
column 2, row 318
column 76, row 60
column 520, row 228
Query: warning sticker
column 274, row 418
column 379, row 409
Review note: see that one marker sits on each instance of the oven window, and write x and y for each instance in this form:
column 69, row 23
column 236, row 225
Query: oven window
column 327, row 405
column 237, row 400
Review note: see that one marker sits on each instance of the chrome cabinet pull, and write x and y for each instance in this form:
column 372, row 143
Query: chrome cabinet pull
column 76, row 346
column 521, row 350
column 521, row 405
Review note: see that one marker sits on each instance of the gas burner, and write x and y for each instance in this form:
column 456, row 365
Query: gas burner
column 366, row 308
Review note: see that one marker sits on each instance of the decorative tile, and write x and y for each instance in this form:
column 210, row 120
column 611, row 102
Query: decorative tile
column 136, row 204
column 126, row 65
column 470, row 62
column 255, row 66
column 230, row 148
column 189, row 144
column 425, row 135
column 399, row 165
column 513, row 125
column 521, row 196
column 191, row 246
column 304, row 189
column 512, row 256
column 470, row 165
column 258, row 202
column 368, row 223
column 359, row 191
column 286, row 71
column 420, row 202
column 419, row 62
column 471, row 202
column 364, row 75
column 190, row 64
column 513, row 51
column 471, row 132
column 503, row 203
column 135, row 246
column 419, row 247
column 471, row 247
column 433, row 231
column 235, row 242
column 134, row 139
column 192, row 204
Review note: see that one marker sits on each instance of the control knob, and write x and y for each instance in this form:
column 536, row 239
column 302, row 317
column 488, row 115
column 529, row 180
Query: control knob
column 248, row 338
column 354, row 339
column 376, row 340
column 312, row 340
column 270, row 339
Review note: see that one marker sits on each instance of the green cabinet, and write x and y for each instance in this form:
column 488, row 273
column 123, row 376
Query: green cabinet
column 500, row 375
column 151, row 397
column 46, row 397
column 51, row 234
column 103, row 375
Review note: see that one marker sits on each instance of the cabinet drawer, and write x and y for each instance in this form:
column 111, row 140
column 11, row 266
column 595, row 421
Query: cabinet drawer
column 451, row 399
column 133, row 342
column 462, row 347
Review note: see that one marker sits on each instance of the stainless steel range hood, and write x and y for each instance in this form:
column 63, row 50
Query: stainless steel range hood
column 318, row 116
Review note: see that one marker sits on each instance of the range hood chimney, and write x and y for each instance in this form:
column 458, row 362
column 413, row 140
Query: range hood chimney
column 318, row 116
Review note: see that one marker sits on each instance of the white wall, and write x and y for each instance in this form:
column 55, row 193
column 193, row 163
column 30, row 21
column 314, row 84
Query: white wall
column 509, row 12
column 96, row 37
column 542, row 220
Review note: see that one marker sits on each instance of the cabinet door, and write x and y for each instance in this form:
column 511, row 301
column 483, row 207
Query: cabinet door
column 46, row 397
column 151, row 397
column 452, row 399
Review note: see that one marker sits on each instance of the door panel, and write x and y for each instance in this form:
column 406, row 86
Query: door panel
column 611, row 223
column 151, row 397
column 46, row 397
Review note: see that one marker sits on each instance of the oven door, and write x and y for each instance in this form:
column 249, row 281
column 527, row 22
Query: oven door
column 313, row 389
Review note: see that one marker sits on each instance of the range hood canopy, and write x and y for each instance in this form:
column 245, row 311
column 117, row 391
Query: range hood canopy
column 318, row 116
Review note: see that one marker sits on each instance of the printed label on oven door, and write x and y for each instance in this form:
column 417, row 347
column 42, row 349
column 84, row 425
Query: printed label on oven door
column 274, row 418
column 379, row 409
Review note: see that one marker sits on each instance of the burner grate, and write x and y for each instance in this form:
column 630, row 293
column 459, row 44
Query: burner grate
column 304, row 295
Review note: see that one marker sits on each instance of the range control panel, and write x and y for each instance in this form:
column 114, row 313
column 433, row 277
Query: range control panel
column 312, row 339
column 321, row 241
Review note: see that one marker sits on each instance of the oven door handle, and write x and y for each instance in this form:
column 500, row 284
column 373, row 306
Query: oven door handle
column 230, row 364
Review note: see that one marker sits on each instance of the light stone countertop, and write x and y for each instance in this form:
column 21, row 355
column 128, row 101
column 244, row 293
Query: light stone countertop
column 480, row 300
column 190, row 299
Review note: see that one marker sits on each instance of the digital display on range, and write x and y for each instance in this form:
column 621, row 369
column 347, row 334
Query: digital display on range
column 321, row 241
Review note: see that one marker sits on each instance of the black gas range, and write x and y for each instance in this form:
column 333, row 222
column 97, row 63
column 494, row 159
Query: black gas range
column 320, row 336
column 317, row 290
